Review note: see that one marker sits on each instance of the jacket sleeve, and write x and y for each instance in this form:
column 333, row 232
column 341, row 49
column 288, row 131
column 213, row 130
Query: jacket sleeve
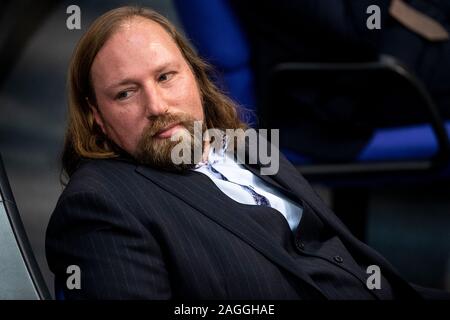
column 117, row 256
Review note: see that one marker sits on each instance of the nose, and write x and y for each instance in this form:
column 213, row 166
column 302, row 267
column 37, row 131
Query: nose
column 154, row 102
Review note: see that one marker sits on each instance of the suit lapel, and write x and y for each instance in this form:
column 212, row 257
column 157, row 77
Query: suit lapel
column 216, row 206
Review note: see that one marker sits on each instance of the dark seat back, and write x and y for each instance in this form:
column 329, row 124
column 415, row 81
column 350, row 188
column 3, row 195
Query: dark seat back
column 20, row 277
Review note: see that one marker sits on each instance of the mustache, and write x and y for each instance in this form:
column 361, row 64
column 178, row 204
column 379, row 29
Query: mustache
column 163, row 121
column 158, row 152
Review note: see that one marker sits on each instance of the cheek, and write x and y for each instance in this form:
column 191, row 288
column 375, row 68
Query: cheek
column 123, row 123
column 125, row 128
column 188, row 98
column 198, row 104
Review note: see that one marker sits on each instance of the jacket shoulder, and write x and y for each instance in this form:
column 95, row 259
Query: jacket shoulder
column 97, row 175
column 108, row 183
column 99, row 190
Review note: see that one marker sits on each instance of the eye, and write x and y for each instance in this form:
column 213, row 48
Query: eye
column 122, row 95
column 166, row 76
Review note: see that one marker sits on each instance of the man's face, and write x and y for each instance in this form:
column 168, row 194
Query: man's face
column 143, row 87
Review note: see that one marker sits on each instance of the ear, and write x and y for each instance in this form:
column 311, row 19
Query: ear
column 97, row 116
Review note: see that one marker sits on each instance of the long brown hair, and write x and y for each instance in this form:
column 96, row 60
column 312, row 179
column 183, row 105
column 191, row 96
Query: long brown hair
column 84, row 138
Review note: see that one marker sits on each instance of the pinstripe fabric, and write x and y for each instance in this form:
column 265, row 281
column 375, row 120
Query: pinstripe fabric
column 139, row 233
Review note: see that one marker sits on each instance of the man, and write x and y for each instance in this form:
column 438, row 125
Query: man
column 139, row 225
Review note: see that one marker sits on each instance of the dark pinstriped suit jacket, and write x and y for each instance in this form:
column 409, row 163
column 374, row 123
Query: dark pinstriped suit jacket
column 139, row 233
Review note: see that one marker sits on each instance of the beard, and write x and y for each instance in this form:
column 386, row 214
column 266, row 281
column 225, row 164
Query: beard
column 157, row 152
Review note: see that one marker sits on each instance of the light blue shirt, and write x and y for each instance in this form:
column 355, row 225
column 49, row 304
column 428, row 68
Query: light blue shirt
column 235, row 180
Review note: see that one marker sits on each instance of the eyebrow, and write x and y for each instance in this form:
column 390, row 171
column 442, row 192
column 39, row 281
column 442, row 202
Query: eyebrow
column 121, row 83
column 163, row 66
column 126, row 81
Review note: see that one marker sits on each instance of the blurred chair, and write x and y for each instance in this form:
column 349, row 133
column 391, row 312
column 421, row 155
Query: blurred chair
column 20, row 277
column 410, row 144
column 409, row 135
column 395, row 145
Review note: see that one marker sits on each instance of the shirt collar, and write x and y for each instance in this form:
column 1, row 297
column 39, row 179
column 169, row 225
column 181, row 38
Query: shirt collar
column 215, row 155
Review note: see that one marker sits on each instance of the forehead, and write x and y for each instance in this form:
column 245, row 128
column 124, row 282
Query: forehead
column 138, row 45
